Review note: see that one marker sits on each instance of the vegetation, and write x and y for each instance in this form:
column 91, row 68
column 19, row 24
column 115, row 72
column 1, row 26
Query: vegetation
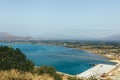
column 14, row 74
column 76, row 78
column 57, row 77
column 10, row 58
column 49, row 70
column 13, row 60
column 73, row 78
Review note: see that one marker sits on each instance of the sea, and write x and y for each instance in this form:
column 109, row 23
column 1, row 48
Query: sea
column 67, row 60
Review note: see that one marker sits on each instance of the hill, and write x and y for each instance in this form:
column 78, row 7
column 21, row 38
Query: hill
column 7, row 36
column 113, row 38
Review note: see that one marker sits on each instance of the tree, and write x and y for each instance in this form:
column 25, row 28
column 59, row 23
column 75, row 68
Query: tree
column 10, row 58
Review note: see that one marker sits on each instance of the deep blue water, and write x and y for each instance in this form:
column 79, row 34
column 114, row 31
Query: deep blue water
column 64, row 59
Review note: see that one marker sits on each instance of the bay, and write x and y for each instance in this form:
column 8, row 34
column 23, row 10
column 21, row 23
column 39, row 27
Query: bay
column 66, row 60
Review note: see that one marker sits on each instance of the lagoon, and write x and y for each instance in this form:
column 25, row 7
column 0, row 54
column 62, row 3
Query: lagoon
column 66, row 60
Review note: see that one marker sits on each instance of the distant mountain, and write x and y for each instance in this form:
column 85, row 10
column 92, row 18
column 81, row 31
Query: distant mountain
column 7, row 36
column 113, row 38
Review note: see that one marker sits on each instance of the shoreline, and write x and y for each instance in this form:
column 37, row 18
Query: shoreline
column 98, row 71
column 112, row 74
column 108, row 67
column 110, row 57
column 105, row 73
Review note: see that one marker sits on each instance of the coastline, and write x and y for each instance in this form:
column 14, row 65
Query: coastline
column 110, row 57
column 97, row 71
column 112, row 74
column 100, row 71
column 99, row 76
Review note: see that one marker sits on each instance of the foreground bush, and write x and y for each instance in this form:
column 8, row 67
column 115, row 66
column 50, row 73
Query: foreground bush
column 49, row 70
column 57, row 77
column 14, row 59
column 73, row 78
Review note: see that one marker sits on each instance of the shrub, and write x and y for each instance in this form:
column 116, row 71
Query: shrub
column 73, row 78
column 57, row 77
column 47, row 69
column 43, row 69
column 51, row 70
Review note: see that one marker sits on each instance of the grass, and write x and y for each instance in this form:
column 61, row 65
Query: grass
column 17, row 75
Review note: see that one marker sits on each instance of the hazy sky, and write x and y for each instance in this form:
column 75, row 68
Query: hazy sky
column 60, row 18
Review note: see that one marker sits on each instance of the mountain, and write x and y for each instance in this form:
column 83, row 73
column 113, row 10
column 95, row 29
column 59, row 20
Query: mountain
column 7, row 36
column 113, row 38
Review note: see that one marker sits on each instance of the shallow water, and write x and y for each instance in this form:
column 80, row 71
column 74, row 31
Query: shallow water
column 64, row 59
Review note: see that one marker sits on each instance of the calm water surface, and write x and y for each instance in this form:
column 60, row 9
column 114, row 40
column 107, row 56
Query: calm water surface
column 64, row 59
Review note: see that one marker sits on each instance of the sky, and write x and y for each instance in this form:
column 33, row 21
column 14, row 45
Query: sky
column 60, row 19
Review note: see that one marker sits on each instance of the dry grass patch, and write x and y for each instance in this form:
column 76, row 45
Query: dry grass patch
column 16, row 75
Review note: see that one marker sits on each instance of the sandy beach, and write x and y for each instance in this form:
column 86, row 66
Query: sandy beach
column 97, row 71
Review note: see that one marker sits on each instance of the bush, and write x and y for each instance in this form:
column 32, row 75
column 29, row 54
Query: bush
column 47, row 69
column 10, row 58
column 51, row 70
column 73, row 78
column 43, row 69
column 57, row 77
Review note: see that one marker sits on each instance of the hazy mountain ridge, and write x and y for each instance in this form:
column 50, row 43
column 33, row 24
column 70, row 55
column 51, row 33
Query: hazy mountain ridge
column 7, row 36
column 113, row 38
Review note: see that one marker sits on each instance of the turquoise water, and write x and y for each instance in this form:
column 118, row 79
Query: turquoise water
column 67, row 60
